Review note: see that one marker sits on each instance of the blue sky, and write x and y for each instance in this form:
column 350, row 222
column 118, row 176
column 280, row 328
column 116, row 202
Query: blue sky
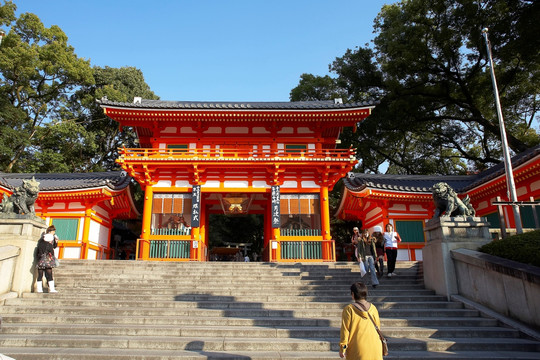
column 213, row 50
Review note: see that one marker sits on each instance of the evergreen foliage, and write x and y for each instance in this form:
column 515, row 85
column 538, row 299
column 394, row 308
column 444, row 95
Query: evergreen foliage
column 428, row 71
column 523, row 248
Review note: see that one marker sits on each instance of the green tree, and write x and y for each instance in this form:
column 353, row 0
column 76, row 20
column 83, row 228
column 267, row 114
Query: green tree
column 428, row 71
column 116, row 84
column 39, row 73
column 311, row 88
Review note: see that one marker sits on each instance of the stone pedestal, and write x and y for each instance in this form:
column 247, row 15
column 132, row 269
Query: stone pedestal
column 444, row 235
column 24, row 234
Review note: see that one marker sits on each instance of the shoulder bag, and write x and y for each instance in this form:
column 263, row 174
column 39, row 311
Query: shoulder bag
column 383, row 339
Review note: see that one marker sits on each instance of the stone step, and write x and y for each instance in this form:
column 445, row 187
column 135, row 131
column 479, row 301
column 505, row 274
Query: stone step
column 155, row 297
column 141, row 354
column 233, row 312
column 230, row 291
column 239, row 321
column 259, row 344
column 164, row 310
column 239, row 331
column 225, row 283
column 42, row 302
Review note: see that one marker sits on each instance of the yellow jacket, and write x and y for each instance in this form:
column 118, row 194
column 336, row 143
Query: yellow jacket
column 359, row 339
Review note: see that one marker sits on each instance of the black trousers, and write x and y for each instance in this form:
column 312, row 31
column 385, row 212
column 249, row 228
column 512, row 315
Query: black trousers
column 391, row 256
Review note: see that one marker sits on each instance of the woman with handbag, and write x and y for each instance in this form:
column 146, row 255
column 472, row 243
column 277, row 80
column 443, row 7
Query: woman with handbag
column 360, row 339
column 45, row 258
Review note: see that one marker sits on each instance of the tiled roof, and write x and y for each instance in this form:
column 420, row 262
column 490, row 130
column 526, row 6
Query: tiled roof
column 424, row 183
column 406, row 183
column 228, row 105
column 115, row 180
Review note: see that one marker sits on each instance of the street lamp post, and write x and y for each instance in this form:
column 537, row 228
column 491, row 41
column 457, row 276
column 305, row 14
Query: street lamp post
column 510, row 185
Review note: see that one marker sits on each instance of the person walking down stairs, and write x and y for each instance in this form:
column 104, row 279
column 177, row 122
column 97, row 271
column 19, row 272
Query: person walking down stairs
column 45, row 259
column 392, row 239
column 368, row 253
column 379, row 246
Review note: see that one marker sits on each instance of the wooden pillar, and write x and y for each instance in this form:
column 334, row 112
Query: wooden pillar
column 195, row 234
column 325, row 222
column 275, row 253
column 86, row 232
column 144, row 249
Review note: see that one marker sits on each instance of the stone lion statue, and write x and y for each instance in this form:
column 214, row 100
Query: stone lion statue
column 22, row 200
column 448, row 203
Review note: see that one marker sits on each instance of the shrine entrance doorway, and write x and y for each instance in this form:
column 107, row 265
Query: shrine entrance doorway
column 233, row 237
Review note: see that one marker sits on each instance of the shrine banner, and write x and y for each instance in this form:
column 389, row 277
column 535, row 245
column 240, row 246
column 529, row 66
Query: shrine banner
column 276, row 215
column 196, row 205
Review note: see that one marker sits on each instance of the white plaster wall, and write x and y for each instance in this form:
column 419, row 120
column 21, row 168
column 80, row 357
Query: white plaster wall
column 99, row 234
column 522, row 191
column 169, row 130
column 417, row 208
column 289, row 185
column 535, row 185
column 187, row 130
column 236, row 184
column 163, row 183
column 398, row 207
column 260, row 184
column 304, row 130
column 81, row 229
column 286, row 130
column 72, row 253
column 182, row 183
column 75, row 205
column 403, row 255
column 92, row 254
column 211, row 184
column 236, row 130
column 260, row 130
column 309, row 184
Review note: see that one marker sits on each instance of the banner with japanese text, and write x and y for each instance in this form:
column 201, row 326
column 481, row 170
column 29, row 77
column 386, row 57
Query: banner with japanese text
column 196, row 205
column 276, row 215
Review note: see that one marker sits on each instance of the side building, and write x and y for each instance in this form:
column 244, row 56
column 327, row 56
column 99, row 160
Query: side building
column 82, row 207
column 406, row 201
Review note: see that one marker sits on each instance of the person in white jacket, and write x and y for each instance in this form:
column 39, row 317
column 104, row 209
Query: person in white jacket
column 391, row 240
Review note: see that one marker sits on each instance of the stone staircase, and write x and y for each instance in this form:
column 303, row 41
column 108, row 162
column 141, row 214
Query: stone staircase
column 224, row 310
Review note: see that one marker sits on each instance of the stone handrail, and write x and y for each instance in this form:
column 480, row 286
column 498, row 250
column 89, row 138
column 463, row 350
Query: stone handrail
column 8, row 260
column 505, row 286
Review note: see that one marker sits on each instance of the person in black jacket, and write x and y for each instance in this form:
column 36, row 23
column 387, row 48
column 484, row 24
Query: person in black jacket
column 45, row 258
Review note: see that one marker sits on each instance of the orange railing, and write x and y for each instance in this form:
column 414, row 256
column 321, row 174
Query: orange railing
column 234, row 154
column 301, row 250
column 102, row 252
column 172, row 250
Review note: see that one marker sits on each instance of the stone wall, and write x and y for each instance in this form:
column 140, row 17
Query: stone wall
column 507, row 287
column 21, row 234
column 444, row 235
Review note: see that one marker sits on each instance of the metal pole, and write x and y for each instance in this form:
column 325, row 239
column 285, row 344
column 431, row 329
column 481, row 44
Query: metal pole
column 511, row 187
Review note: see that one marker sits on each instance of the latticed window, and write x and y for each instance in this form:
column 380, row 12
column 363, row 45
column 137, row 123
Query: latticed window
column 300, row 214
column 171, row 214
column 66, row 229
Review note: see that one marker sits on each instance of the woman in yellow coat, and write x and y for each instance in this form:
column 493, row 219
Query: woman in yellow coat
column 359, row 338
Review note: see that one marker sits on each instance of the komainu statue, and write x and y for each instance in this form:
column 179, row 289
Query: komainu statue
column 22, row 200
column 448, row 203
